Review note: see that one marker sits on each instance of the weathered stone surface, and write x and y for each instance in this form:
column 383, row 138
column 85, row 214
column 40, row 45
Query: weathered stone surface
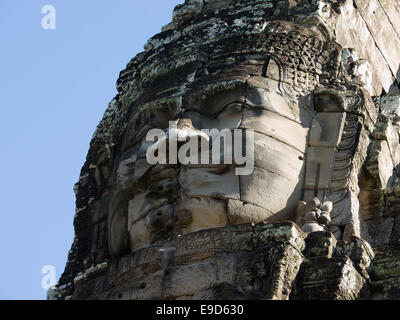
column 372, row 203
column 316, row 82
column 380, row 164
column 278, row 158
column 333, row 271
column 390, row 106
column 275, row 126
column 385, row 130
column 392, row 195
column 360, row 253
column 378, row 231
column 200, row 183
column 385, row 275
column 339, row 281
column 326, row 129
column 257, row 190
column 320, row 244
column 319, row 165
column 380, row 27
column 392, row 9
column 395, row 234
column 263, row 264
column 352, row 31
column 239, row 212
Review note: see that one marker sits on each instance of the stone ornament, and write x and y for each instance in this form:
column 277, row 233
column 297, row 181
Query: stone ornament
column 314, row 215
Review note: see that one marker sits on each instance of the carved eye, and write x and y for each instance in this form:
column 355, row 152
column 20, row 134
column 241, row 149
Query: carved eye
column 140, row 135
column 157, row 115
column 229, row 109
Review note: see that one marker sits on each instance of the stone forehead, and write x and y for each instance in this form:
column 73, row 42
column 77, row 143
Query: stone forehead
column 196, row 37
column 296, row 49
column 220, row 31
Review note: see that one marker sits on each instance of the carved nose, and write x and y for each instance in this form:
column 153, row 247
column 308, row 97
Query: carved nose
column 185, row 130
column 184, row 123
column 185, row 133
column 170, row 147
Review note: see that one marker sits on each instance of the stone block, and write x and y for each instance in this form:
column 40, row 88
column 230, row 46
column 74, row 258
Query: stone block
column 139, row 235
column 377, row 231
column 360, row 253
column 320, row 244
column 263, row 93
column 259, row 189
column 392, row 200
column 183, row 13
column 381, row 28
column 372, row 203
column 239, row 212
column 158, row 194
column 390, row 106
column 392, row 9
column 379, row 164
column 208, row 182
column 266, row 233
column 276, row 126
column 352, row 31
column 386, row 266
column 279, row 158
column 328, row 279
column 189, row 279
column 392, row 211
column 385, row 274
column 395, row 235
column 385, row 130
column 199, row 213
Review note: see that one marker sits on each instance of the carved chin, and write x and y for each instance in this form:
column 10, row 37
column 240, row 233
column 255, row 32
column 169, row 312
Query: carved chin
column 185, row 216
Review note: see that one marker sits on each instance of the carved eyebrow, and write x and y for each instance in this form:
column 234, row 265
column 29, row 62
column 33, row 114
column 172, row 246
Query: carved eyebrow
column 140, row 133
column 218, row 113
column 149, row 116
column 136, row 137
column 250, row 105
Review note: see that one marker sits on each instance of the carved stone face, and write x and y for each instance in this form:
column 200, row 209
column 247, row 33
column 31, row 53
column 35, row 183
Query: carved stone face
column 166, row 201
column 272, row 67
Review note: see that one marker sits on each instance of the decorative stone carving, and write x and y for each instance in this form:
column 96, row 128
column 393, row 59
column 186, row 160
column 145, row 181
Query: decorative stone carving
column 314, row 215
column 251, row 88
column 326, row 156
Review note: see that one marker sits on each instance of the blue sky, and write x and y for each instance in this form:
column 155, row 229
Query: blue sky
column 54, row 87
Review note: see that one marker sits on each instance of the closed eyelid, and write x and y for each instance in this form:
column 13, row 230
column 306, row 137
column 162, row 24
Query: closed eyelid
column 137, row 137
column 237, row 105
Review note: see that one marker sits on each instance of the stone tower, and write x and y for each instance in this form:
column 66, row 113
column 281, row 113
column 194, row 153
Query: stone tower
column 316, row 83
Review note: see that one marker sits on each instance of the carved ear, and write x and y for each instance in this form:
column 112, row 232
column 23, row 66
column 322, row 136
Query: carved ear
column 118, row 237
